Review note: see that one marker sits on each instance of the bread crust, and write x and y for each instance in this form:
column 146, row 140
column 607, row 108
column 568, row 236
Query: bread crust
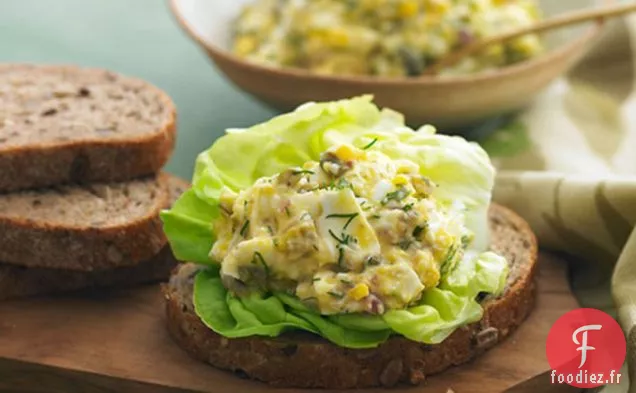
column 305, row 361
column 85, row 161
column 29, row 243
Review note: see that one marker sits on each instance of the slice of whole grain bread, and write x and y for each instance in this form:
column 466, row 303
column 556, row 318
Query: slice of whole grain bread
column 18, row 281
column 64, row 124
column 84, row 228
column 307, row 361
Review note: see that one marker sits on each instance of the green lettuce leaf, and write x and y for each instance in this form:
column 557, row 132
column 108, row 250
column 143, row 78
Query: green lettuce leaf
column 271, row 315
column 234, row 317
column 461, row 169
column 188, row 226
column 440, row 311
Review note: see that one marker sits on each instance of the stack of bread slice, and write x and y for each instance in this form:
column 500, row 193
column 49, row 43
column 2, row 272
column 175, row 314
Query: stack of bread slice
column 81, row 187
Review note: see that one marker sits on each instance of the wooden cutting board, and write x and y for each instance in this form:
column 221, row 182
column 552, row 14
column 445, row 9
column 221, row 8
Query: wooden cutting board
column 117, row 342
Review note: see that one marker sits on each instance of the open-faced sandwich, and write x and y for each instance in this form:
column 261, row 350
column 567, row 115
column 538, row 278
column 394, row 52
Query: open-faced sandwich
column 335, row 247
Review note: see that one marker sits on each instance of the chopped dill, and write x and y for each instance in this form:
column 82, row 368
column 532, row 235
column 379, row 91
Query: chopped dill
column 244, row 228
column 258, row 256
column 336, row 294
column 405, row 244
column 452, row 251
column 344, row 240
column 340, row 256
column 446, row 264
column 303, row 172
column 466, row 240
column 343, row 183
column 365, row 207
column 350, row 217
column 396, row 195
column 340, row 184
column 373, row 142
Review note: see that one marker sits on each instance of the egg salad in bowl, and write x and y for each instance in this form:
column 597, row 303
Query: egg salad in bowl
column 382, row 37
column 338, row 220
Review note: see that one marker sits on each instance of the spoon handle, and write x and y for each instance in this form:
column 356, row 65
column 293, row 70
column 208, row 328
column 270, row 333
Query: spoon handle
column 555, row 22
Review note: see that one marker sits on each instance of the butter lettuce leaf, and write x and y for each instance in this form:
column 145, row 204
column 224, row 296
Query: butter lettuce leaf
column 461, row 169
column 269, row 315
column 440, row 311
column 188, row 226
column 233, row 317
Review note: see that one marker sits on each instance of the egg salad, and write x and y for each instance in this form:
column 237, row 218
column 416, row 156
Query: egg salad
column 355, row 232
column 381, row 37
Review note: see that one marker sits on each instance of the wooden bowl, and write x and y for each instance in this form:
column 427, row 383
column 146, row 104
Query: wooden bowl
column 448, row 102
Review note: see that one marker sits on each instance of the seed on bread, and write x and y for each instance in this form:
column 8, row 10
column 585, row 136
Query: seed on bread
column 63, row 124
column 317, row 363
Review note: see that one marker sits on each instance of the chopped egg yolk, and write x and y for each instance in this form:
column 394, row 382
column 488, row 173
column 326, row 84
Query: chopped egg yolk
column 354, row 232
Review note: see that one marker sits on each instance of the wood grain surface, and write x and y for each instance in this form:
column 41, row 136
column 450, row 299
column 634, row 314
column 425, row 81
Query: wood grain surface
column 117, row 342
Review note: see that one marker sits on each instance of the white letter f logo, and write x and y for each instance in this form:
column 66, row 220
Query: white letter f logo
column 583, row 346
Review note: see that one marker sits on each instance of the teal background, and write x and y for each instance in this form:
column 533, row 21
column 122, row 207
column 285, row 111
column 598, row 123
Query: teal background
column 138, row 38
column 141, row 38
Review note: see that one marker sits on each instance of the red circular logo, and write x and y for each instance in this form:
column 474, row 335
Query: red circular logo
column 586, row 349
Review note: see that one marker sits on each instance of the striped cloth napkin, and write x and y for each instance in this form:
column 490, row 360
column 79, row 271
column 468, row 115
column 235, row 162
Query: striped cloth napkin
column 568, row 165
